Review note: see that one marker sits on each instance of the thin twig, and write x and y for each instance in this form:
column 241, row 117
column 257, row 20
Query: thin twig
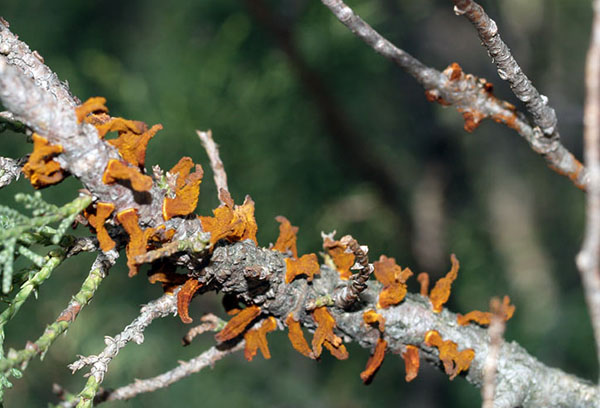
column 185, row 369
column 348, row 295
column 588, row 259
column 210, row 322
column 496, row 332
column 469, row 95
column 97, row 273
column 161, row 307
column 212, row 149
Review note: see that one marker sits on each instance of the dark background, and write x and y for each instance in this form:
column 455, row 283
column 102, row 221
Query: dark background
column 317, row 127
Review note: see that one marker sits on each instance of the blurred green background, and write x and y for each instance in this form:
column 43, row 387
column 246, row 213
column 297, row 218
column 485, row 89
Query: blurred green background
column 317, row 127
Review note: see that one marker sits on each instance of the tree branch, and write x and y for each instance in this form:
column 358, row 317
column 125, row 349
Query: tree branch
column 469, row 95
column 588, row 259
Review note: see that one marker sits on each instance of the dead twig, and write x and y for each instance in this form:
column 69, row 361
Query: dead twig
column 495, row 331
column 212, row 149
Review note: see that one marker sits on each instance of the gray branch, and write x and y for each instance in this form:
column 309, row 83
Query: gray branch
column 467, row 94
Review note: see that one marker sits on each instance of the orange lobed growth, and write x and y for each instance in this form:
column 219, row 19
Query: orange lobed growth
column 286, row 241
column 374, row 362
column 117, row 170
column 103, row 211
column 371, row 317
column 324, row 335
column 164, row 273
column 296, row 337
column 138, row 239
column 92, row 105
column 393, row 279
column 238, row 323
column 40, row 169
column 121, row 125
column 411, row 362
column 305, row 265
column 187, row 188
column 506, row 311
column 342, row 260
column 132, row 146
column 257, row 339
column 441, row 291
column 453, row 360
column 184, row 297
column 234, row 223
column 423, row 279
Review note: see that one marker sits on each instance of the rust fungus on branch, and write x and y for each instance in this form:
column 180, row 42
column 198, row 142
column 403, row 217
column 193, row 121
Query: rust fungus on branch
column 97, row 220
column 117, row 170
column 341, row 259
column 184, row 297
column 423, row 279
column 138, row 238
column 286, row 241
column 132, row 146
column 454, row 361
column 238, row 324
column 41, row 170
column 297, row 338
column 506, row 311
column 187, row 189
column 92, row 105
column 257, row 339
column 393, row 278
column 121, row 125
column 233, row 223
column 374, row 361
column 411, row 362
column 306, row 265
column 441, row 291
column 324, row 335
column 371, row 317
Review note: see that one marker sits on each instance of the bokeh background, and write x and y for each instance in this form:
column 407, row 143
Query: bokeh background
column 317, row 127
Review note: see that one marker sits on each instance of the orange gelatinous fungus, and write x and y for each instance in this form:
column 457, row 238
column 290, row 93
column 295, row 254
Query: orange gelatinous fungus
column 103, row 211
column 441, row 291
column 296, row 337
column 423, row 279
column 121, row 125
column 92, row 105
column 41, row 169
column 371, row 317
column 505, row 311
column 324, row 332
column 184, row 297
column 307, row 265
column 411, row 362
column 138, row 239
column 187, row 189
column 132, row 146
column 117, row 170
column 238, row 324
column 257, row 339
column 393, row 279
column 374, row 361
column 233, row 224
column 338, row 352
column 286, row 241
column 453, row 360
column 342, row 260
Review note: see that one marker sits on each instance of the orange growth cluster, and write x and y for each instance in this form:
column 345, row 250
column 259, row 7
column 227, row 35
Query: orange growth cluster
column 231, row 222
column 117, row 170
column 441, row 291
column 306, row 265
column 296, row 337
column 324, row 335
column 238, row 324
column 342, row 260
column 371, row 317
column 453, row 360
column 506, row 311
column 374, row 361
column 97, row 220
column 411, row 362
column 393, row 279
column 257, row 339
column 187, row 189
column 41, row 170
column 184, row 297
column 286, row 241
